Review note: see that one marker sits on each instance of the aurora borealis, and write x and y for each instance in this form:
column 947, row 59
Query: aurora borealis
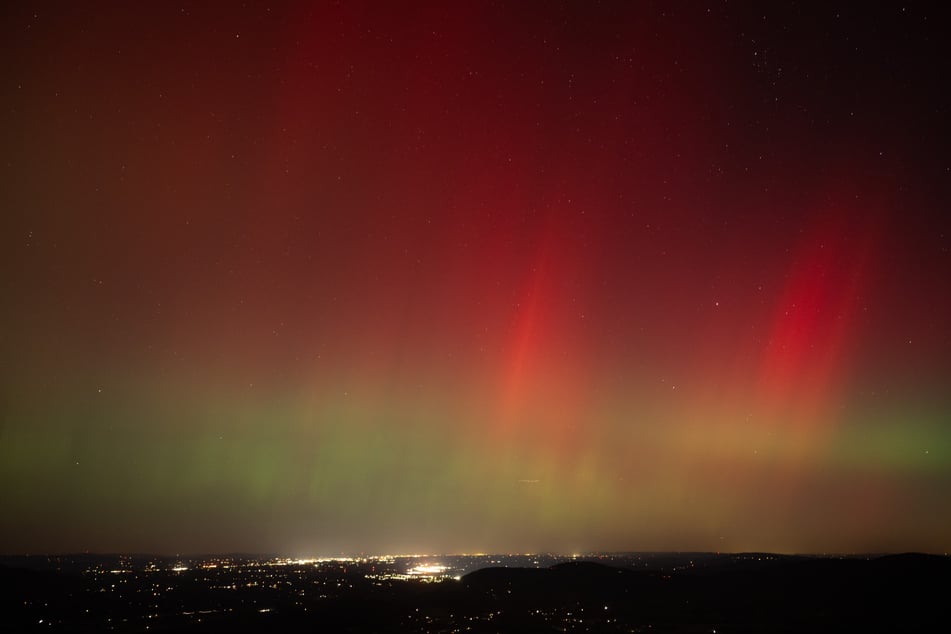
column 462, row 277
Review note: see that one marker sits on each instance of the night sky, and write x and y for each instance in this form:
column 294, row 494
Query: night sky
column 461, row 277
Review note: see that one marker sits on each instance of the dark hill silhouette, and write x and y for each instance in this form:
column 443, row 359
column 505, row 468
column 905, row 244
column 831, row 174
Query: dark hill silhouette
column 903, row 592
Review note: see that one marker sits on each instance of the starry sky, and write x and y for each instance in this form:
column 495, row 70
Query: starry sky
column 458, row 277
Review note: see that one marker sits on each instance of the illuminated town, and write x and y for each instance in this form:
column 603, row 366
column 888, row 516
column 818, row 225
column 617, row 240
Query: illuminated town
column 630, row 592
column 312, row 308
column 175, row 592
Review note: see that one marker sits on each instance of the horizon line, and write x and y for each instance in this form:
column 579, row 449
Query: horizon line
column 343, row 556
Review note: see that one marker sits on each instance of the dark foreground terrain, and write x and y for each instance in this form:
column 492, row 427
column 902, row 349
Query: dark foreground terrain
column 619, row 593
